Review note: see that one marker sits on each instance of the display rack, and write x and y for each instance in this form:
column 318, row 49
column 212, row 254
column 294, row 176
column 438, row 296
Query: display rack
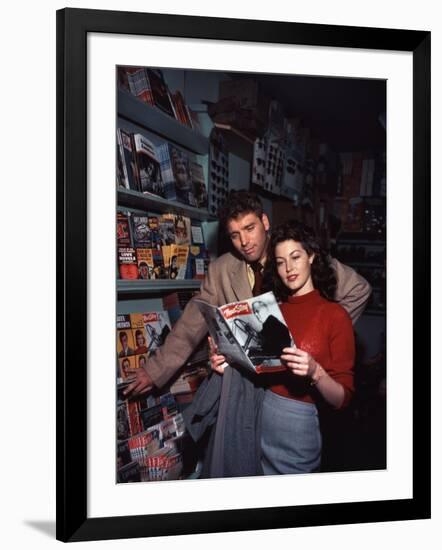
column 135, row 116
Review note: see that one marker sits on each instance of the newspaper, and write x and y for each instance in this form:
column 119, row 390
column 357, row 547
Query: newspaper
column 251, row 333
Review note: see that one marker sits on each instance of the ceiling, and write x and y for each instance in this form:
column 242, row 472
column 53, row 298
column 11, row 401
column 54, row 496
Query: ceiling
column 343, row 112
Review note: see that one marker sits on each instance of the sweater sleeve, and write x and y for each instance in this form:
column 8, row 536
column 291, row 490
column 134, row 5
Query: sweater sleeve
column 342, row 352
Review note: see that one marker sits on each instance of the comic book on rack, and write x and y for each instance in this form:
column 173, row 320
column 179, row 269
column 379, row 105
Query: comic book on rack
column 251, row 333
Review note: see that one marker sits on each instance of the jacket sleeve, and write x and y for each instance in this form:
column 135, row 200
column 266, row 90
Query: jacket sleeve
column 185, row 335
column 352, row 290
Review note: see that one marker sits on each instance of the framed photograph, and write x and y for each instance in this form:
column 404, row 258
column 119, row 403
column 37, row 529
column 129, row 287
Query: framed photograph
column 159, row 118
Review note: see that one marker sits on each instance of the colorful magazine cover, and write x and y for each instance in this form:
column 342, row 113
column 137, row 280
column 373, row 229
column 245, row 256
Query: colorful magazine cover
column 166, row 228
column 125, row 342
column 199, row 185
column 183, row 232
column 176, row 174
column 126, row 161
column 139, row 85
column 127, row 263
column 125, row 365
column 160, row 92
column 145, row 263
column 123, row 230
column 157, row 326
column 148, row 167
column 251, row 333
column 142, row 236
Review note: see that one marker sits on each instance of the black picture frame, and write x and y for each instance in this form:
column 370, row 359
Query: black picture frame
column 73, row 25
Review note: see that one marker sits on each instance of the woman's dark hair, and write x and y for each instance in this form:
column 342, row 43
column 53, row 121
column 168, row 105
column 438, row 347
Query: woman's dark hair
column 323, row 274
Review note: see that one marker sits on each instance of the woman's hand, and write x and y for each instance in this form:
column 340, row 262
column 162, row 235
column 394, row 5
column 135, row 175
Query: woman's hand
column 217, row 362
column 299, row 362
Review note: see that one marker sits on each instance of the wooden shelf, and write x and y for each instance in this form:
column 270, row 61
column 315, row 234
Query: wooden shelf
column 154, row 120
column 139, row 286
column 147, row 202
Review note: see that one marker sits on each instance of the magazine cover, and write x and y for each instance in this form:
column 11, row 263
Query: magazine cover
column 159, row 271
column 179, row 255
column 183, row 233
column 198, row 262
column 199, row 185
column 125, row 159
column 148, row 167
column 175, row 170
column 125, row 364
column 127, row 263
column 167, row 229
column 141, row 232
column 123, row 230
column 181, row 111
column 145, row 263
column 157, row 326
column 139, row 334
column 251, row 333
column 197, row 232
column 182, row 176
column 125, row 342
column 139, row 84
column 154, row 227
column 160, row 92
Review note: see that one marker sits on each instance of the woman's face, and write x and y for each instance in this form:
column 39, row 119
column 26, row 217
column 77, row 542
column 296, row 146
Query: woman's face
column 294, row 267
column 140, row 340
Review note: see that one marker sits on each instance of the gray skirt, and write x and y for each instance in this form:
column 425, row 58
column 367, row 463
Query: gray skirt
column 290, row 439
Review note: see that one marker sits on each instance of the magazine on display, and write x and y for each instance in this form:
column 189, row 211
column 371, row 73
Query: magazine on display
column 251, row 333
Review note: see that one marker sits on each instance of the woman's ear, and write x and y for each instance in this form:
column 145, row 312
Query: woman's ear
column 311, row 258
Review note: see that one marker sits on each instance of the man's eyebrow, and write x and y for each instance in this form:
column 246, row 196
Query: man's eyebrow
column 250, row 224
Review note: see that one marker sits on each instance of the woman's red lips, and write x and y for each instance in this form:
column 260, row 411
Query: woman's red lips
column 292, row 278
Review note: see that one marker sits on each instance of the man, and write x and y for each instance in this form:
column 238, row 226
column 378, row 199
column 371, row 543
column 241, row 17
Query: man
column 125, row 368
column 232, row 277
column 126, row 350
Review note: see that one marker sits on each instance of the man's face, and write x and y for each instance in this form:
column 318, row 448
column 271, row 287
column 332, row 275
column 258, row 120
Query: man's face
column 126, row 366
column 123, row 339
column 248, row 234
column 140, row 339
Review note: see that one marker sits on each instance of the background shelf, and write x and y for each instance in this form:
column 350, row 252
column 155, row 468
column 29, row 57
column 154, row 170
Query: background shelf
column 138, row 286
column 154, row 120
column 144, row 202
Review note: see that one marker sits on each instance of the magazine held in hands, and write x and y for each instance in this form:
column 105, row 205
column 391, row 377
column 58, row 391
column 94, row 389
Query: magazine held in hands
column 251, row 333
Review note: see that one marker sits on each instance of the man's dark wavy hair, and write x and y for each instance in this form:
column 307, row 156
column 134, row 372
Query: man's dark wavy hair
column 323, row 274
column 239, row 203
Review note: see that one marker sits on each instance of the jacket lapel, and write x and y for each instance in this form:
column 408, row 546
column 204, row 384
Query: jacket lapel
column 240, row 281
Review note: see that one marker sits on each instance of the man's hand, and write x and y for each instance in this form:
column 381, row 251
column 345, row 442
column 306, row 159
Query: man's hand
column 217, row 362
column 141, row 382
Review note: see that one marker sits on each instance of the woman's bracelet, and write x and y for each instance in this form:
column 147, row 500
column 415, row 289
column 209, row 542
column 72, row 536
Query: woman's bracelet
column 317, row 375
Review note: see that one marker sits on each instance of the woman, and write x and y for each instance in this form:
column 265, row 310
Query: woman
column 319, row 368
